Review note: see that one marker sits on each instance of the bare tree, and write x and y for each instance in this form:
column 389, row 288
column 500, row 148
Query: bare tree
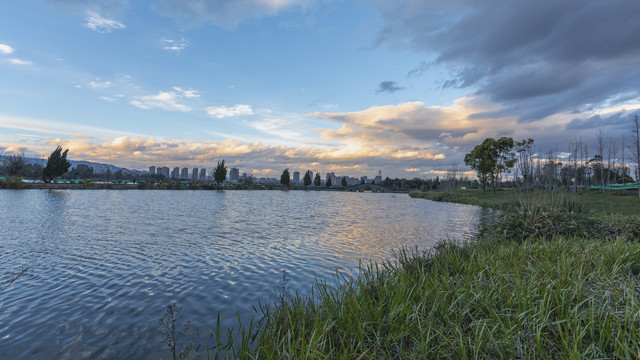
column 14, row 162
column 601, row 152
column 524, row 150
column 635, row 147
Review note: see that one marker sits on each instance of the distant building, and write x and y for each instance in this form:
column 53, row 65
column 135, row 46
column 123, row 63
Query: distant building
column 152, row 170
column 185, row 173
column 194, row 175
column 164, row 171
column 234, row 174
column 203, row 174
column 296, row 177
column 378, row 179
column 175, row 173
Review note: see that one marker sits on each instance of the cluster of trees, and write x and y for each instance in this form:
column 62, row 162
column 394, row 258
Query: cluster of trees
column 604, row 166
column 15, row 165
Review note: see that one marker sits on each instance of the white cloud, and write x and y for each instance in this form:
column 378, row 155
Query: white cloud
column 111, row 98
column 101, row 24
column 6, row 49
column 187, row 93
column 20, row 62
column 163, row 100
column 224, row 111
column 173, row 45
column 99, row 85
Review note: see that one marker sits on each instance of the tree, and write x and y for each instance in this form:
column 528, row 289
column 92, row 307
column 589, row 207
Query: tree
column 81, row 171
column 14, row 162
column 317, row 181
column 328, row 183
column 524, row 149
column 307, row 178
column 220, row 172
column 635, row 147
column 490, row 159
column 57, row 165
column 482, row 160
column 285, row 178
column 344, row 181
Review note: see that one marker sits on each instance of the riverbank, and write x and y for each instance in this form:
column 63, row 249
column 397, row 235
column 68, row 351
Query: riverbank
column 594, row 202
column 13, row 184
column 536, row 285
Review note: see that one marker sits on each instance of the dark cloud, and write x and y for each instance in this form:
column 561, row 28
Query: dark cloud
column 388, row 87
column 536, row 58
column 617, row 121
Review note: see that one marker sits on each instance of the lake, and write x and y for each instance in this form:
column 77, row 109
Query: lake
column 104, row 264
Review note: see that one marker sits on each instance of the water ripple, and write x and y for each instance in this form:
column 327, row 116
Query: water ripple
column 104, row 264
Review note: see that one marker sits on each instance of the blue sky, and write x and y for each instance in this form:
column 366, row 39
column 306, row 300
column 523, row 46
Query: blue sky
column 406, row 87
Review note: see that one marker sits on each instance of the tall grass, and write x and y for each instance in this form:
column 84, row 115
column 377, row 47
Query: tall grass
column 564, row 298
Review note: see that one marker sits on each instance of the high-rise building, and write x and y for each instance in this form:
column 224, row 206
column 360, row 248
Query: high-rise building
column 152, row 170
column 194, row 175
column 296, row 177
column 203, row 174
column 175, row 173
column 185, row 173
column 164, row 171
column 234, row 174
column 378, row 179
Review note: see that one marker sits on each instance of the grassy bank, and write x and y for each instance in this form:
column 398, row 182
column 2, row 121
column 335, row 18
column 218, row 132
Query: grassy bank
column 550, row 279
column 564, row 298
column 617, row 203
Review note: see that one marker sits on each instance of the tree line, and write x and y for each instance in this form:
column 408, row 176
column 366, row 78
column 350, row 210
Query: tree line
column 580, row 169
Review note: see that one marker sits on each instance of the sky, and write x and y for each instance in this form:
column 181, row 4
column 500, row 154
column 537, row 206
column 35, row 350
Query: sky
column 351, row 87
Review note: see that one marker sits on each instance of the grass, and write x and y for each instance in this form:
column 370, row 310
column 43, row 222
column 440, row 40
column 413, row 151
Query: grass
column 553, row 280
column 563, row 298
column 612, row 203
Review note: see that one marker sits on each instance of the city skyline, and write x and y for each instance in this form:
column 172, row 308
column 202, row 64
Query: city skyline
column 407, row 87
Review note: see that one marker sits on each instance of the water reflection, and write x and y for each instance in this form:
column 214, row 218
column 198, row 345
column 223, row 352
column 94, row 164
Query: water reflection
column 108, row 262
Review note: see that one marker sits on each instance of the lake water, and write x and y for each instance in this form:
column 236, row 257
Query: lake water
column 104, row 264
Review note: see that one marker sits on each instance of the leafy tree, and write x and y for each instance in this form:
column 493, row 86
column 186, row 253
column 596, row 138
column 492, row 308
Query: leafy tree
column 317, row 181
column 307, row 178
column 82, row 171
column 328, row 182
column 57, row 165
column 490, row 159
column 220, row 172
column 32, row 171
column 373, row 182
column 285, row 179
column 15, row 162
column 362, row 182
column 344, row 181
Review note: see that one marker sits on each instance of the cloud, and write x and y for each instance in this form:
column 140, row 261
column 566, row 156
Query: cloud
column 225, row 13
column 99, row 85
column 166, row 100
column 112, row 98
column 6, row 49
column 388, row 87
column 232, row 111
column 173, row 45
column 533, row 58
column 96, row 22
column 20, row 62
column 187, row 93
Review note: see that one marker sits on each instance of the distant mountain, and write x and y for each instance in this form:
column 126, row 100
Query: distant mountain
column 98, row 168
